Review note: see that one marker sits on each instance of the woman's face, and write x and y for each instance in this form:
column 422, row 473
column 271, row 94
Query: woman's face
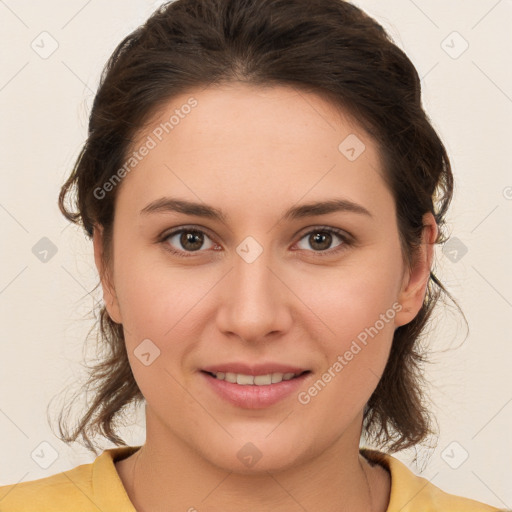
column 258, row 279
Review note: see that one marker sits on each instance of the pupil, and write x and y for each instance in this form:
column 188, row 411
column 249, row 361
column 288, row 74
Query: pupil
column 318, row 237
column 188, row 237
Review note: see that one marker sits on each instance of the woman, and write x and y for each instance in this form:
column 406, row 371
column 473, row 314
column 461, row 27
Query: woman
column 263, row 191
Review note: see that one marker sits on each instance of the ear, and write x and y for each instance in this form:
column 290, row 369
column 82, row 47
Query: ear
column 109, row 294
column 414, row 283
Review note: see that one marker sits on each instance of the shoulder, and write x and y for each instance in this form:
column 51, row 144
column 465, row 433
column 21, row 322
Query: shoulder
column 412, row 493
column 85, row 488
column 69, row 488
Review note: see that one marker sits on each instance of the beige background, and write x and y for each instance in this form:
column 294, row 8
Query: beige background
column 44, row 305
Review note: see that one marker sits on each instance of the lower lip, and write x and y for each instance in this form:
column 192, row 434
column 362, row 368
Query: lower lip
column 252, row 396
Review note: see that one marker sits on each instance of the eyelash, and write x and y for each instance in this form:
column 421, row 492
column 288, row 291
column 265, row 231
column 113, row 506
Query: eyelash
column 345, row 238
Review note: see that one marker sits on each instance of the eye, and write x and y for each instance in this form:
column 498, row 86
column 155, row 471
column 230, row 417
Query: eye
column 322, row 237
column 186, row 240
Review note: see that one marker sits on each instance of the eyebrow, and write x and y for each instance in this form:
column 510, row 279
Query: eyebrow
column 168, row 204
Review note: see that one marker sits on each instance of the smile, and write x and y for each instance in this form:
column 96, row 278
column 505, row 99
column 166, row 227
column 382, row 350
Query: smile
column 254, row 391
column 254, row 380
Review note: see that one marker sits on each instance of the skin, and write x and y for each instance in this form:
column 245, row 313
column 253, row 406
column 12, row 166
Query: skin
column 254, row 152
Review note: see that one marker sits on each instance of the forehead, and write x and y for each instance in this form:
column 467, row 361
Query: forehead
column 255, row 144
column 242, row 111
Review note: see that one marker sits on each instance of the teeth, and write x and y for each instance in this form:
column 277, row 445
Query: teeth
column 230, row 377
column 244, row 380
column 263, row 380
column 258, row 380
column 277, row 377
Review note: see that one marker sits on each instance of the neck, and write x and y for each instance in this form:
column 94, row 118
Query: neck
column 167, row 474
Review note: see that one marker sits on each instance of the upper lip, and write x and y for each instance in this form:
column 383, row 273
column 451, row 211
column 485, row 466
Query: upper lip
column 253, row 369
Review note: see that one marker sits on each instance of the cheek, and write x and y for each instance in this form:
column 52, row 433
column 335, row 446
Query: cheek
column 157, row 303
column 357, row 307
column 152, row 294
column 354, row 298
column 163, row 304
column 354, row 359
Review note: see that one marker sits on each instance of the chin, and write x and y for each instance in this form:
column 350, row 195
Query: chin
column 257, row 456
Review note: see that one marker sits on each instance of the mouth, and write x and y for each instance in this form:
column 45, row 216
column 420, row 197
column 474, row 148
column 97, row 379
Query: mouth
column 266, row 379
column 258, row 389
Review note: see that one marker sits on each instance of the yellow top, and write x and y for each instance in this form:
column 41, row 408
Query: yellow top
column 97, row 487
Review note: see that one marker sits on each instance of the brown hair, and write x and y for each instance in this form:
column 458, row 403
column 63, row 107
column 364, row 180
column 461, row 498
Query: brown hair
column 329, row 47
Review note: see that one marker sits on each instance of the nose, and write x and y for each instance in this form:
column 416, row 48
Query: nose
column 255, row 302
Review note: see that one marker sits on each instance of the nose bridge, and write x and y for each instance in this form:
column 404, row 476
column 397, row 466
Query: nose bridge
column 252, row 301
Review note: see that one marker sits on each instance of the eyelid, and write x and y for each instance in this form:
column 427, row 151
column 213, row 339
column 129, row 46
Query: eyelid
column 190, row 227
column 331, row 229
